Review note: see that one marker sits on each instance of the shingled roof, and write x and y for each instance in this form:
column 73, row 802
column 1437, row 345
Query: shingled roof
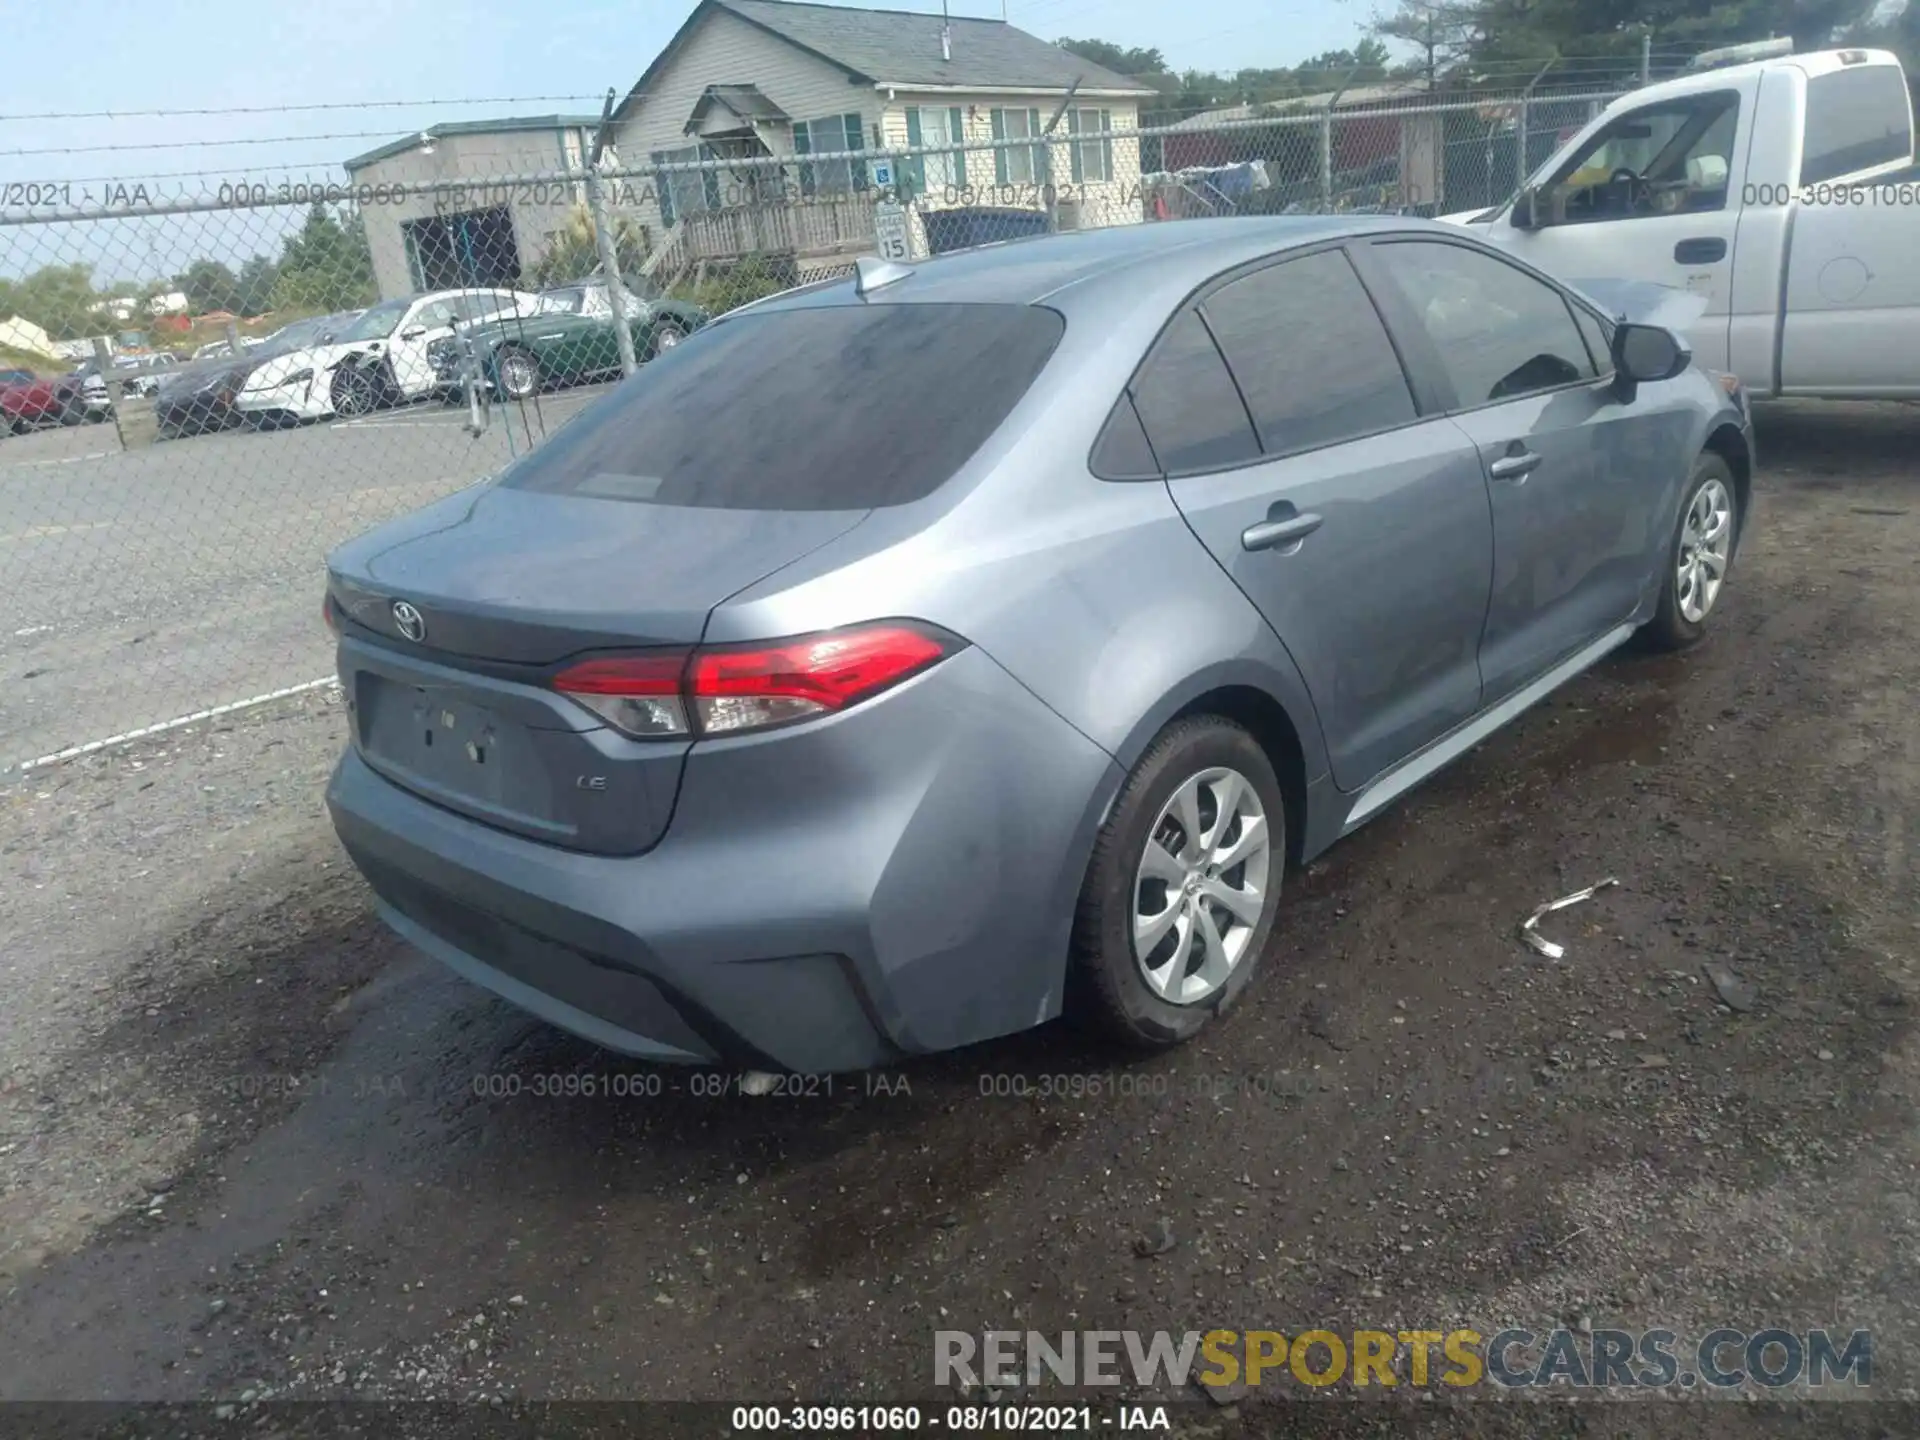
column 902, row 47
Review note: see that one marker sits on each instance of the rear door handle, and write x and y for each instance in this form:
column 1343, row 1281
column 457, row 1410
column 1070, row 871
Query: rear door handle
column 1272, row 534
column 1701, row 250
column 1514, row 467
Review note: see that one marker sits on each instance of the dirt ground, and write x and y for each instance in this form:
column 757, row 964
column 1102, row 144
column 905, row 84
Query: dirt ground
column 254, row 1149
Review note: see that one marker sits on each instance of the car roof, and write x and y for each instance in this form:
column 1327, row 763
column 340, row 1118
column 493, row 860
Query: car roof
column 1080, row 268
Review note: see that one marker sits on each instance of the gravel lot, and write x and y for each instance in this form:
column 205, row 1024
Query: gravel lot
column 252, row 1144
column 137, row 586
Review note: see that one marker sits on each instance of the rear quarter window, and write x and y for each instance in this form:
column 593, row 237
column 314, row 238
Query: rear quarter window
column 1857, row 118
column 845, row 407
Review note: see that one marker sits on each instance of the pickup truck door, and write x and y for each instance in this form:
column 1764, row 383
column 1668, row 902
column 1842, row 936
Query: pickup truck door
column 1654, row 194
column 1852, row 288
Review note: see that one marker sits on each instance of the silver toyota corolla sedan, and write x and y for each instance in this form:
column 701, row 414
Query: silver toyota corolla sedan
column 907, row 659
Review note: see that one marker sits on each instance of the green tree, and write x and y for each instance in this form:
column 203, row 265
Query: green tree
column 1441, row 34
column 254, row 286
column 573, row 250
column 326, row 265
column 1121, row 60
column 58, row 298
column 209, row 285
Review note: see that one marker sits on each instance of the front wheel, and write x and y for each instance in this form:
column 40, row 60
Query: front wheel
column 1699, row 557
column 1180, row 898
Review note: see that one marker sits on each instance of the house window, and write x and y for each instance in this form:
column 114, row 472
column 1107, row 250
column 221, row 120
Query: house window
column 686, row 192
column 1092, row 158
column 935, row 176
column 819, row 137
column 1019, row 164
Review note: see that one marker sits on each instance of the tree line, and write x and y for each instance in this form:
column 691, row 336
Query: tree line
column 323, row 266
column 1491, row 45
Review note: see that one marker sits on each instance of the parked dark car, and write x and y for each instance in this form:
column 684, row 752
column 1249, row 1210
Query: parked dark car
column 908, row 660
column 568, row 339
column 200, row 396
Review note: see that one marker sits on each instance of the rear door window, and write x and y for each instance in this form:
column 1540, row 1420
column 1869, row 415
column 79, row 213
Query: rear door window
column 1187, row 402
column 834, row 408
column 1857, row 118
column 1310, row 353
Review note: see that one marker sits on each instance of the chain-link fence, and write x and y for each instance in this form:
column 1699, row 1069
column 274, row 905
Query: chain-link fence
column 208, row 387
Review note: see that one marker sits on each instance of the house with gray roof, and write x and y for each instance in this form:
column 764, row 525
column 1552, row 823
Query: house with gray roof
column 746, row 83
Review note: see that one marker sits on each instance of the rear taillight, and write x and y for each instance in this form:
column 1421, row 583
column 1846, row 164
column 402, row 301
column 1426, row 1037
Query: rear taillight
column 724, row 690
column 639, row 695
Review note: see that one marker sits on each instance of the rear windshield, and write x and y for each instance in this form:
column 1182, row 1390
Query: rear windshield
column 839, row 408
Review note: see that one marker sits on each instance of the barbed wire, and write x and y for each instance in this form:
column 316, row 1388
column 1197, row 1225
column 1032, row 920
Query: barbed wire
column 294, row 109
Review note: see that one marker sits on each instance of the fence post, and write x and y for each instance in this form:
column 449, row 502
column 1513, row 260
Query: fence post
column 1326, row 142
column 1050, row 196
column 234, row 346
column 603, row 241
column 1524, row 167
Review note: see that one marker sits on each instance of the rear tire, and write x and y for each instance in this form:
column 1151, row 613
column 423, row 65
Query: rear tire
column 1699, row 555
column 1157, row 953
column 354, row 392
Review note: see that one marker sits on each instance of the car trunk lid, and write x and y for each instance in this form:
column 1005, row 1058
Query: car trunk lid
column 459, row 615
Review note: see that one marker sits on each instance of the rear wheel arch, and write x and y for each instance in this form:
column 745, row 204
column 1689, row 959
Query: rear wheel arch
column 1266, row 719
column 1282, row 721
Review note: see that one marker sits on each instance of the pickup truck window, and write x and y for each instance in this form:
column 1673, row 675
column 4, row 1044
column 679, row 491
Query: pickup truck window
column 1667, row 159
column 1857, row 118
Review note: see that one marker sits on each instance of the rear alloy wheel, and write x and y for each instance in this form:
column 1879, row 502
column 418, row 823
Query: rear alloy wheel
column 1699, row 558
column 666, row 335
column 1185, row 881
column 354, row 392
column 519, row 376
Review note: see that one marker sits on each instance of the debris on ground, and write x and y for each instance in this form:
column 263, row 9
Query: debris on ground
column 1540, row 942
column 1734, row 992
column 1157, row 1241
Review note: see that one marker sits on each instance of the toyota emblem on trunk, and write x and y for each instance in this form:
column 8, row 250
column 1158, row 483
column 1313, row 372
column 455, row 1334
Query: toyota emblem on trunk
column 409, row 621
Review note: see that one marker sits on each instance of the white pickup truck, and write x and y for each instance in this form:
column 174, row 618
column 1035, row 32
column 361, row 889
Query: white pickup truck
column 1783, row 191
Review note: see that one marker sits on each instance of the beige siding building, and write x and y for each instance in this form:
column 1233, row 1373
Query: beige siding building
column 747, row 90
column 477, row 235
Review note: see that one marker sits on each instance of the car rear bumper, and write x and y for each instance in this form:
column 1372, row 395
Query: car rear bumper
column 896, row 880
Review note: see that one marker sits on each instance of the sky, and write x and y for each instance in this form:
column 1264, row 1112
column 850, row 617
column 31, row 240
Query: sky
column 397, row 66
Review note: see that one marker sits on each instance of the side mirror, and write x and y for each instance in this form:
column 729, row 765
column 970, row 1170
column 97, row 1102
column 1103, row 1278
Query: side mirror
column 1645, row 355
column 1526, row 210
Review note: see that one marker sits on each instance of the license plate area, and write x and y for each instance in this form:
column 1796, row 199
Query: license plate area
column 454, row 749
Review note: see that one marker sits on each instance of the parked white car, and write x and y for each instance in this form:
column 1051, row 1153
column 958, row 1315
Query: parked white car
column 1782, row 191
column 379, row 359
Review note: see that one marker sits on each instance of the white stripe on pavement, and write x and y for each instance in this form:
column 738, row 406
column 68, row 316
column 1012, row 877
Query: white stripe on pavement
column 94, row 746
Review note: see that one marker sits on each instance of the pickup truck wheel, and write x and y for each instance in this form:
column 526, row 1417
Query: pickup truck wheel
column 519, row 375
column 1699, row 556
column 1181, row 893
